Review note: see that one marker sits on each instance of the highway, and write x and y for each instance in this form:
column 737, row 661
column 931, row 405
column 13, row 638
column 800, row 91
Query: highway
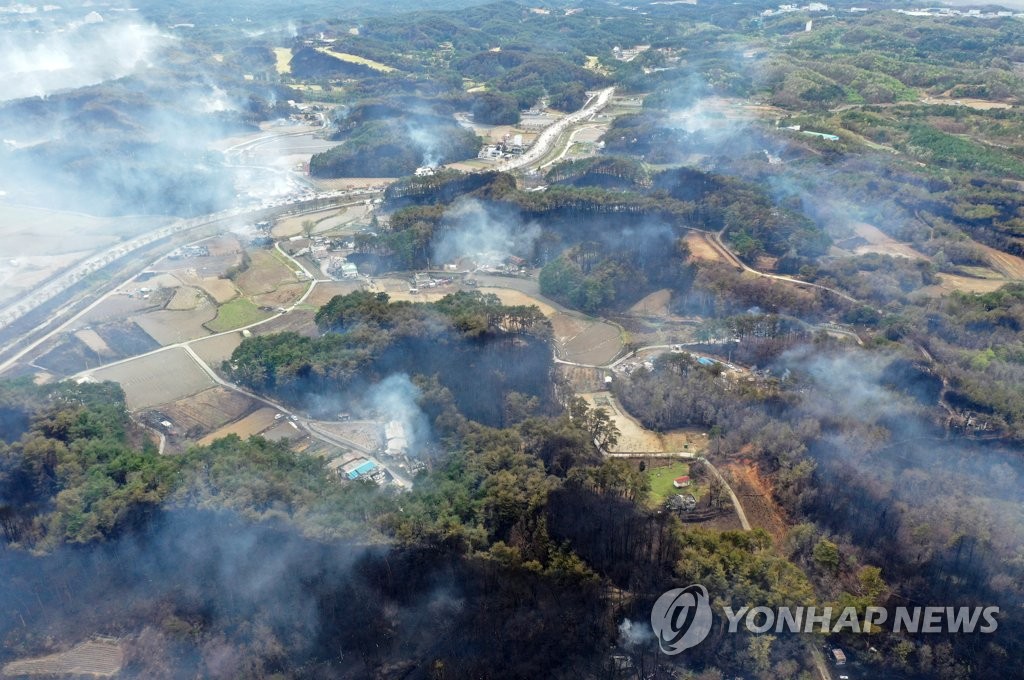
column 547, row 138
column 69, row 279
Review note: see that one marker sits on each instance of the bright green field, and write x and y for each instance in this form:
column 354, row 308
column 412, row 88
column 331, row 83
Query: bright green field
column 235, row 314
column 661, row 482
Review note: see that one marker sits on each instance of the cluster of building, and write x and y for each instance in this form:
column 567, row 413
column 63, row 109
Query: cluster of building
column 509, row 146
column 951, row 12
column 331, row 255
column 358, row 468
column 786, row 9
column 194, row 250
column 629, row 53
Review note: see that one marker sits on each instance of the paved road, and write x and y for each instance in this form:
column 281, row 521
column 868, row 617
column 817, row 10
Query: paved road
column 551, row 133
column 39, row 300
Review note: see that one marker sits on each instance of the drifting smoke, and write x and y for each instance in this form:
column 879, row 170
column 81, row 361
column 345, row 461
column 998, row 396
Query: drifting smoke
column 633, row 634
column 86, row 53
column 485, row 232
column 395, row 399
column 427, row 142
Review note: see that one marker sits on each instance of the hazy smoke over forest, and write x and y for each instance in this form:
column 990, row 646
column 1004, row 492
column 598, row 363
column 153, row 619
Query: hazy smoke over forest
column 477, row 228
column 84, row 53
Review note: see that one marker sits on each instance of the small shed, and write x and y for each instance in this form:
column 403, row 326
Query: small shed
column 681, row 482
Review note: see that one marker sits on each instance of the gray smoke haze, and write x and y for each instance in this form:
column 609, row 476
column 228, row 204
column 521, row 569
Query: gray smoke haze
column 427, row 142
column 84, row 53
column 486, row 232
column 395, row 400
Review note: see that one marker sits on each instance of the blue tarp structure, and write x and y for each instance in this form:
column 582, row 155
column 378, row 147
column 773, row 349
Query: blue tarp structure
column 363, row 469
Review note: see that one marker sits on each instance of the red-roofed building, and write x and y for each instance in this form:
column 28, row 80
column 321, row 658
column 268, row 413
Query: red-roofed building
column 680, row 482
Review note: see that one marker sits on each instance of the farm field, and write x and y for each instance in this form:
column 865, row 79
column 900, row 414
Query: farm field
column 284, row 296
column 117, row 307
column 96, row 658
column 265, row 274
column 283, row 59
column 585, row 340
column 880, row 242
column 509, row 296
column 169, row 327
column 216, row 349
column 323, row 292
column 93, row 341
column 235, row 314
column 355, row 59
column 208, row 410
column 185, row 298
column 254, row 423
column 655, row 304
column 157, row 378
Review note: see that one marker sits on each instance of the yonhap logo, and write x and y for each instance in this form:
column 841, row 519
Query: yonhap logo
column 682, row 618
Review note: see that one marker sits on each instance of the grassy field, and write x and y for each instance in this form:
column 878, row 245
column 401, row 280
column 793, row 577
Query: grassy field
column 284, row 59
column 236, row 314
column 661, row 482
column 354, row 59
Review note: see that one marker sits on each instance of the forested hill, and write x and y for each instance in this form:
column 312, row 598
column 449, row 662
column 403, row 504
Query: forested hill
column 482, row 352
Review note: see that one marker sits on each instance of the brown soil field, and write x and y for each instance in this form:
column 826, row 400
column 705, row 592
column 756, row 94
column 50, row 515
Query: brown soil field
column 93, row 341
column 295, row 321
column 515, row 297
column 157, row 379
column 366, row 434
column 1010, row 266
column 167, row 327
column 582, row 379
column 700, row 249
column 635, row 438
column 167, row 280
column 208, row 410
column 221, row 290
column 282, row 297
column 292, row 226
column 346, row 217
column 226, row 244
column 284, row 430
column 970, row 102
column 96, row 658
column 756, row 498
column 218, row 348
column 323, row 292
column 117, row 307
column 254, row 423
column 880, row 242
column 348, row 183
column 596, row 343
column 185, row 298
column 968, row 284
column 265, row 274
column 655, row 304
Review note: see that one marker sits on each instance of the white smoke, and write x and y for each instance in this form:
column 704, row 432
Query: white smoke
column 633, row 634
column 484, row 232
column 86, row 53
column 394, row 398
